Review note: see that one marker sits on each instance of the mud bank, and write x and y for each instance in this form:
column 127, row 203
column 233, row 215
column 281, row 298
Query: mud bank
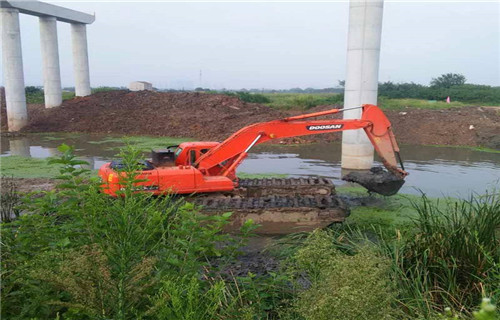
column 214, row 117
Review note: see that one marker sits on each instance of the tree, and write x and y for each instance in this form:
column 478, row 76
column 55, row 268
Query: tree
column 33, row 90
column 448, row 80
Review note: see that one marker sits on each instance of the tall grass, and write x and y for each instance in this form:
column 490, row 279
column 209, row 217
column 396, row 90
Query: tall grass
column 302, row 101
column 245, row 96
column 401, row 104
column 454, row 257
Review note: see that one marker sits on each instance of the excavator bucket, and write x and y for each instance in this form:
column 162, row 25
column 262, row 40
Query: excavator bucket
column 376, row 180
column 380, row 134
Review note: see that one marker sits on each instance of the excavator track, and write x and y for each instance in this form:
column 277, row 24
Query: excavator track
column 279, row 206
column 287, row 186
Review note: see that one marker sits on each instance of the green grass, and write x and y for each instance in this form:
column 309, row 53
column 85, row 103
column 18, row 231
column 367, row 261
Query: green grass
column 57, row 136
column 66, row 95
column 144, row 143
column 38, row 98
column 479, row 149
column 452, row 257
column 304, row 101
column 387, row 213
column 21, row 167
column 301, row 101
column 401, row 104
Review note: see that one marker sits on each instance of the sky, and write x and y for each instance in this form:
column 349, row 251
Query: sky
column 272, row 45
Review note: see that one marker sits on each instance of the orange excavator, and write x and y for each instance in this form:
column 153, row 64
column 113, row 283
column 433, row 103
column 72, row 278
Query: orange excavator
column 206, row 171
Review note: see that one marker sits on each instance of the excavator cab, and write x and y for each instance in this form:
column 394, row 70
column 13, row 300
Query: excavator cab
column 188, row 153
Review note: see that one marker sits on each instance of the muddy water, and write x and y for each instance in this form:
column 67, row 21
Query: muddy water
column 436, row 171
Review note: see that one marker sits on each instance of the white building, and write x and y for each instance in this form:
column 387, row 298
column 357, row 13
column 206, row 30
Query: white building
column 140, row 85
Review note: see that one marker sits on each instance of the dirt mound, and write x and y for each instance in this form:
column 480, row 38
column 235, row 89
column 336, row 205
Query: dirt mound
column 467, row 126
column 214, row 117
column 197, row 115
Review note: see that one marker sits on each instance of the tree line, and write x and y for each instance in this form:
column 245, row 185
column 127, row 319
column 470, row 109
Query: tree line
column 447, row 85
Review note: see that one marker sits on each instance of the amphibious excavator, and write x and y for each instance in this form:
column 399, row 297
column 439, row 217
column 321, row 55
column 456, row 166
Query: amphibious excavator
column 205, row 173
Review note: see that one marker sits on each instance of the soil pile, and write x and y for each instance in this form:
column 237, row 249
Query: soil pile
column 196, row 115
column 215, row 117
column 467, row 126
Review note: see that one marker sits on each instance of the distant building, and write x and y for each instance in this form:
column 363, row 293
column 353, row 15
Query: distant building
column 140, row 85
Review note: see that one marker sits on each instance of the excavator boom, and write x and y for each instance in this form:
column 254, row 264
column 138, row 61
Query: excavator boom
column 234, row 149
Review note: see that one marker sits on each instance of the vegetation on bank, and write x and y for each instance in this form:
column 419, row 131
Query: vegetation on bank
column 402, row 104
column 78, row 254
column 302, row 101
column 24, row 167
column 143, row 143
column 447, row 85
column 392, row 96
column 35, row 94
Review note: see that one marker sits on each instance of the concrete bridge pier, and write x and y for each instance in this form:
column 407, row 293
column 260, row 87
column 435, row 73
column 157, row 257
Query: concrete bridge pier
column 361, row 83
column 80, row 59
column 50, row 62
column 20, row 147
column 13, row 69
column 12, row 63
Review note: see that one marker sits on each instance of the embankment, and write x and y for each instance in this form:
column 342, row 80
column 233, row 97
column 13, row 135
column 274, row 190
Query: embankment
column 215, row 117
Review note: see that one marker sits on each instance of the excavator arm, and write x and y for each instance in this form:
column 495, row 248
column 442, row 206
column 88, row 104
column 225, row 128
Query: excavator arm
column 225, row 158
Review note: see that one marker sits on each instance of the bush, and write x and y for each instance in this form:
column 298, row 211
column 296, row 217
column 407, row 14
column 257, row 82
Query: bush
column 247, row 96
column 343, row 285
column 104, row 89
column 34, row 94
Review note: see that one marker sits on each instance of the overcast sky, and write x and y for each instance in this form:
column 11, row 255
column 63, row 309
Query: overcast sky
column 269, row 45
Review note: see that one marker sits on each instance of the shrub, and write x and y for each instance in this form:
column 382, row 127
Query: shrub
column 343, row 285
column 252, row 97
column 34, row 94
column 105, row 89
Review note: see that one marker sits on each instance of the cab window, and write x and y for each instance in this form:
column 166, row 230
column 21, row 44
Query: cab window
column 192, row 156
column 178, row 152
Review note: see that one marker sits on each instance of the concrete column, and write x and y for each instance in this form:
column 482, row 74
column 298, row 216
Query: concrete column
column 20, row 147
column 361, row 85
column 12, row 62
column 80, row 59
column 50, row 62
